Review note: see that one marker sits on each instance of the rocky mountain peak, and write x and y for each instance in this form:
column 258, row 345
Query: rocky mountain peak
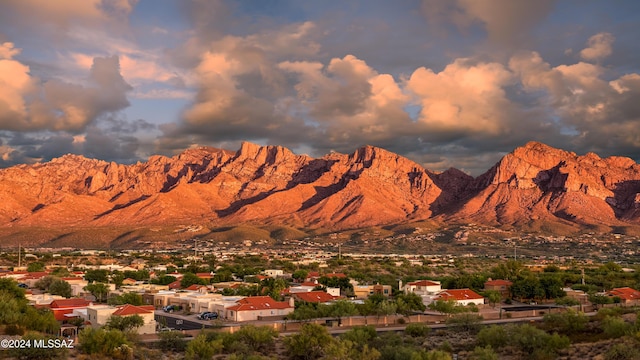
column 272, row 185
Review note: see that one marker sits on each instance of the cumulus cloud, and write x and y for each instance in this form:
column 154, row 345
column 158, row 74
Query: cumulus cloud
column 350, row 101
column 599, row 47
column 241, row 91
column 600, row 114
column 52, row 18
column 464, row 98
column 27, row 103
column 507, row 22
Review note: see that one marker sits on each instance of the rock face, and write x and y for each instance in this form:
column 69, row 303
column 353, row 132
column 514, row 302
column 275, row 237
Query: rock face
column 271, row 185
column 538, row 182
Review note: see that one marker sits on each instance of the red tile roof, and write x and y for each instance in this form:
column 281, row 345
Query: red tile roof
column 459, row 294
column 259, row 303
column 195, row 287
column 69, row 303
column 424, row 283
column 625, row 293
column 314, row 296
column 175, row 285
column 129, row 309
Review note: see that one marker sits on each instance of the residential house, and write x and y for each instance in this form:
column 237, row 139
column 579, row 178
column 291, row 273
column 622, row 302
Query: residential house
column 63, row 308
column 499, row 285
column 258, row 307
column 129, row 281
column 97, row 316
column 146, row 312
column 364, row 291
column 274, row 273
column 422, row 287
column 627, row 295
column 461, row 296
column 317, row 296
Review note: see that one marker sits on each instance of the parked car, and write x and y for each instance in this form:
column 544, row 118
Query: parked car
column 165, row 329
column 203, row 314
column 172, row 308
column 207, row 315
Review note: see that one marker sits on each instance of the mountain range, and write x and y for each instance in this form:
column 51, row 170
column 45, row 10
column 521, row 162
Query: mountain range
column 535, row 187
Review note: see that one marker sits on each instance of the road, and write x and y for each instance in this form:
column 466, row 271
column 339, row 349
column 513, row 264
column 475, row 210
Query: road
column 180, row 322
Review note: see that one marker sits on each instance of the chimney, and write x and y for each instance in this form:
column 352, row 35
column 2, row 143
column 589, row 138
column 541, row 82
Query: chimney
column 400, row 284
column 292, row 302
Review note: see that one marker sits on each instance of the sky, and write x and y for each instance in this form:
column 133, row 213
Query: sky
column 446, row 83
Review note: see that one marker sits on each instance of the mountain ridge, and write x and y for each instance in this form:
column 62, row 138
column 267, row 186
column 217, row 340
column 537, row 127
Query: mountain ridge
column 369, row 187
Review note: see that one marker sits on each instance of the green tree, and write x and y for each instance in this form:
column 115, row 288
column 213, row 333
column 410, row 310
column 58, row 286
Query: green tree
column 126, row 298
column 493, row 296
column 163, row 280
column 117, row 278
column 45, row 282
column 598, row 299
column 10, row 286
column 346, row 288
column 343, row 308
column 510, row 270
column 98, row 290
column 273, row 288
column 189, row 279
column 35, row 267
column 528, row 288
column 409, row 303
column 300, row 274
column 310, row 343
column 61, row 272
column 96, row 276
column 125, row 323
column 60, row 287
column 445, row 306
column 567, row 301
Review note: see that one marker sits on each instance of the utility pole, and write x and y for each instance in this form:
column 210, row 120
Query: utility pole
column 515, row 252
column 19, row 255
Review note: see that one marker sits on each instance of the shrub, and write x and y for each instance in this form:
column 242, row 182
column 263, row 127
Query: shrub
column 484, row 353
column 201, row 348
column 494, row 336
column 102, row 342
column 465, row 322
column 615, row 327
column 569, row 322
column 172, row 341
column 622, row 352
column 36, row 353
column 417, row 330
